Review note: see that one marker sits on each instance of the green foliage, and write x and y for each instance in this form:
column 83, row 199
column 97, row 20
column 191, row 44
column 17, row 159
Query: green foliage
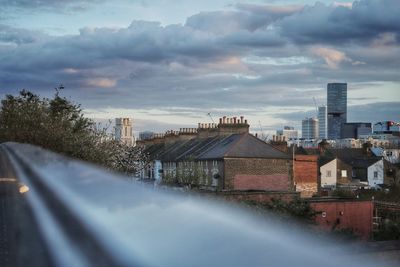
column 389, row 230
column 344, row 193
column 392, row 194
column 58, row 124
column 298, row 209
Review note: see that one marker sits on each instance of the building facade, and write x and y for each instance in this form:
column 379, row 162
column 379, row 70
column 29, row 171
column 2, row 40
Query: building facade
column 355, row 130
column 337, row 108
column 323, row 122
column 309, row 127
column 123, row 131
column 344, row 214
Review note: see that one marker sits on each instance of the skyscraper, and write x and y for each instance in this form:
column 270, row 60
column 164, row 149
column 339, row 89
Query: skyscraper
column 323, row 122
column 337, row 108
column 309, row 128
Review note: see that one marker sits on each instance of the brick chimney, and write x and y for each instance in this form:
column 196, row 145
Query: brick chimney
column 232, row 125
column 187, row 134
column 206, row 130
column 323, row 146
column 279, row 142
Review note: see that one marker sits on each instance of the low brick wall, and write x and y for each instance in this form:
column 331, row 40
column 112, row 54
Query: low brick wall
column 258, row 196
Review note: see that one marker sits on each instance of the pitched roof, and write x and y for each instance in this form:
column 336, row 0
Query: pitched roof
column 322, row 160
column 363, row 163
column 243, row 146
column 218, row 147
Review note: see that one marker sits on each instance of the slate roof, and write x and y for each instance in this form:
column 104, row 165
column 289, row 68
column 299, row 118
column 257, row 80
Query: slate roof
column 243, row 146
column 322, row 160
column 363, row 163
column 218, row 147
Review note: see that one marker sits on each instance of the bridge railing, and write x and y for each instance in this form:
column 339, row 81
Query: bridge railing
column 88, row 216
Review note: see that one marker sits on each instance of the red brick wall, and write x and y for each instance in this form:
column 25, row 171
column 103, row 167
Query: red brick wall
column 277, row 182
column 355, row 215
column 258, row 174
column 306, row 174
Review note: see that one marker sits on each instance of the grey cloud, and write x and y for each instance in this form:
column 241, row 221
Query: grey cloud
column 367, row 19
column 19, row 36
column 147, row 65
column 47, row 4
column 246, row 17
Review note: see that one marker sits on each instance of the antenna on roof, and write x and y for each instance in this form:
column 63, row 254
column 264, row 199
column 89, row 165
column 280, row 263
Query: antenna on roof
column 209, row 115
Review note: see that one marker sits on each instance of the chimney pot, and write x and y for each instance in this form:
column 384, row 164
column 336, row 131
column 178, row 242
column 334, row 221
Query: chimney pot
column 224, row 119
column 220, row 120
column 234, row 120
column 245, row 121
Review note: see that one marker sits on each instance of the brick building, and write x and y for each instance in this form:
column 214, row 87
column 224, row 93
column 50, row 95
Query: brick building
column 219, row 157
column 344, row 214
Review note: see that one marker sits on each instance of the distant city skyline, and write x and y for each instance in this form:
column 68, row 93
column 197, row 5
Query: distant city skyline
column 168, row 64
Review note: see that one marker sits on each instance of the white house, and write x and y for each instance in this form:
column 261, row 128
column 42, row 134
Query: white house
column 329, row 174
column 375, row 173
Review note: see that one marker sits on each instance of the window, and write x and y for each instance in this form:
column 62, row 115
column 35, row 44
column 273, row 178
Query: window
column 328, row 173
column 344, row 173
column 389, row 153
column 375, row 175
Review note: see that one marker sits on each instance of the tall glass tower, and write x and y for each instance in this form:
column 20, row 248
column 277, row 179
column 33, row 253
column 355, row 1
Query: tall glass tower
column 337, row 108
column 309, row 128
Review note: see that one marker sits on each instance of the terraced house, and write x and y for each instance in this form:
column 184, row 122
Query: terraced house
column 218, row 157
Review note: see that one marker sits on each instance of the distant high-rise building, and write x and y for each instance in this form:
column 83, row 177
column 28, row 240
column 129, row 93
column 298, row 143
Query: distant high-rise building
column 309, row 127
column 337, row 108
column 355, row 129
column 288, row 132
column 322, row 122
column 124, row 131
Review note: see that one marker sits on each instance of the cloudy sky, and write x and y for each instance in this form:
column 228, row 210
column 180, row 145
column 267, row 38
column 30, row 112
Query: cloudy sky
column 168, row 63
